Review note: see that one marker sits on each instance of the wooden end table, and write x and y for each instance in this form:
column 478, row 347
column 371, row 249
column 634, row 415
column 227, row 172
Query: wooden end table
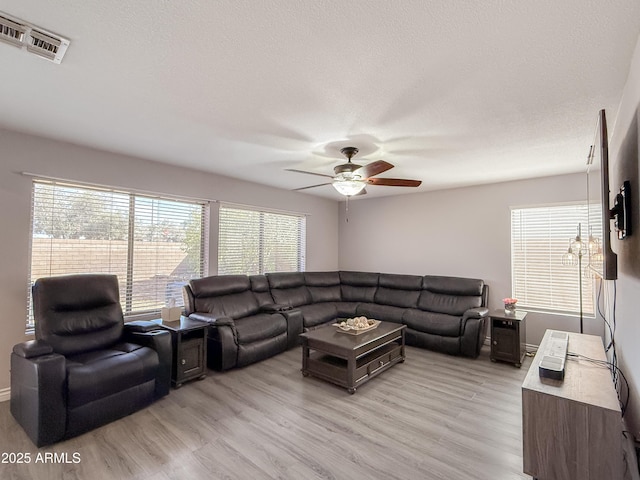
column 508, row 331
column 189, row 341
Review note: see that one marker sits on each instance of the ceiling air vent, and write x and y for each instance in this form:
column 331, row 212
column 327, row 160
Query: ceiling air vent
column 47, row 46
column 37, row 40
column 12, row 32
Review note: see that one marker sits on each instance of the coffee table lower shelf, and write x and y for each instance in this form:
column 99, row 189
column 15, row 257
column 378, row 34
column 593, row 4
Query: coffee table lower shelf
column 352, row 368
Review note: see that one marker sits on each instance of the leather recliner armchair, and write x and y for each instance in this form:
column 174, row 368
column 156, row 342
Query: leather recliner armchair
column 86, row 367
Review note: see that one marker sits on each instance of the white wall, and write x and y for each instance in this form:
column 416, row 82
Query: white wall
column 460, row 232
column 624, row 145
column 26, row 153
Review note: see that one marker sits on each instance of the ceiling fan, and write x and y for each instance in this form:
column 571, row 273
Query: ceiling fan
column 351, row 178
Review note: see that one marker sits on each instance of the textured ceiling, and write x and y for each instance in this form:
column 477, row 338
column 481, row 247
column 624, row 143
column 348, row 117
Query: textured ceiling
column 452, row 93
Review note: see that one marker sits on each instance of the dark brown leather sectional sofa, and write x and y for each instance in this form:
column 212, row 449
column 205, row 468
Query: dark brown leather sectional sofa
column 255, row 317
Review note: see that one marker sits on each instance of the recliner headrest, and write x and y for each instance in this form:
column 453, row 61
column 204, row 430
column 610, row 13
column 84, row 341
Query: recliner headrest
column 359, row 279
column 400, row 282
column 285, row 279
column 215, row 286
column 259, row 283
column 452, row 285
column 322, row 279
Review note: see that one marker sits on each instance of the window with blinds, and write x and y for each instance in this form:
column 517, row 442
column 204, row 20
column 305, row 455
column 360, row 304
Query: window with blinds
column 539, row 238
column 255, row 242
column 154, row 245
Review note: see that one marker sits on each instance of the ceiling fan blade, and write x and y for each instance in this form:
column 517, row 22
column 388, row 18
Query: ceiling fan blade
column 373, row 169
column 394, row 182
column 308, row 173
column 311, row 186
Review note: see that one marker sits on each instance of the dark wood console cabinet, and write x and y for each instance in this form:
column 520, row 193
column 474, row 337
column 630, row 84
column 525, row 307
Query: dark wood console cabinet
column 572, row 428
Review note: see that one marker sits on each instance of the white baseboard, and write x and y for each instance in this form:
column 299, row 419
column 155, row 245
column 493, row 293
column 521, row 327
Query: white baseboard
column 5, row 394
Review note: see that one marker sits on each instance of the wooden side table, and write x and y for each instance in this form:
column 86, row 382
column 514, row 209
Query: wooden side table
column 508, row 336
column 189, row 341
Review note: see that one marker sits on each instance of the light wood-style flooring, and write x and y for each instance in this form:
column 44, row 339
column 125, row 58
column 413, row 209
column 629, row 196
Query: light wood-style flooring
column 432, row 417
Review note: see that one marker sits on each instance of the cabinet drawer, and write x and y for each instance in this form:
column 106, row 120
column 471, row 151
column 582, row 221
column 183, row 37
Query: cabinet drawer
column 377, row 360
column 506, row 324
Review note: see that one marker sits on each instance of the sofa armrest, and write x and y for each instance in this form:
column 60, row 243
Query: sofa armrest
column 38, row 396
column 160, row 341
column 294, row 326
column 474, row 332
column 479, row 312
column 212, row 320
column 32, row 348
column 275, row 308
column 141, row 326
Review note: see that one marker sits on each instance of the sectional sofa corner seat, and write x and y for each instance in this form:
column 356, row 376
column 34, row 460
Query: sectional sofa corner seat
column 254, row 317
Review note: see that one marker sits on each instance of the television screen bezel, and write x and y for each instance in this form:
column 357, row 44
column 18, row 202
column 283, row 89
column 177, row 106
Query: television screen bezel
column 608, row 267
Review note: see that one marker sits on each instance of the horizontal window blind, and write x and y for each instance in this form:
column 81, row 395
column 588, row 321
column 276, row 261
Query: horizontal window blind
column 255, row 242
column 539, row 238
column 153, row 245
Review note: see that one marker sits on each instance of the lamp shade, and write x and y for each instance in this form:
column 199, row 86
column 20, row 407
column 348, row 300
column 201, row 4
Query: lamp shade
column 348, row 187
column 569, row 259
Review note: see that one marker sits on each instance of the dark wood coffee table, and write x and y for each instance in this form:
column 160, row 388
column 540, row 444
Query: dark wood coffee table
column 350, row 360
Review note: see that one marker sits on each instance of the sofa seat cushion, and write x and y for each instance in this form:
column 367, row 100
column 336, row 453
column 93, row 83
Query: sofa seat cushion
column 318, row 313
column 437, row 343
column 259, row 327
column 254, row 352
column 98, row 374
column 433, row 323
column 386, row 313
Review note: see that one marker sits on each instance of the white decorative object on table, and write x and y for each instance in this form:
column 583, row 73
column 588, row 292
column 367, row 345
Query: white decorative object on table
column 356, row 325
column 170, row 314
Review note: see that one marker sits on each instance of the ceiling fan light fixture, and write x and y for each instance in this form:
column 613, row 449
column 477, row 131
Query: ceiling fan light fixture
column 348, row 187
column 350, row 178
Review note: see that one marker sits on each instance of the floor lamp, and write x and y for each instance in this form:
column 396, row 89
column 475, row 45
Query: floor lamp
column 572, row 258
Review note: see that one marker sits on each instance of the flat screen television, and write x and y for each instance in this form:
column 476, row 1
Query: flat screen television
column 602, row 260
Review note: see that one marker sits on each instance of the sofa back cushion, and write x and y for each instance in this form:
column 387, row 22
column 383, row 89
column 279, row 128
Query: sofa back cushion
column 288, row 288
column 216, row 286
column 234, row 305
column 224, row 296
column 450, row 295
column 260, row 288
column 398, row 290
column 358, row 286
column 77, row 313
column 323, row 286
